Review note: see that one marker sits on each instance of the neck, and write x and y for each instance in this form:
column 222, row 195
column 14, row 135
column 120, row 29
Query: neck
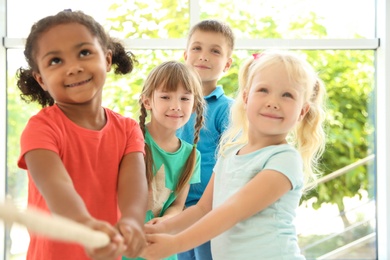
column 259, row 142
column 86, row 116
column 165, row 138
column 208, row 87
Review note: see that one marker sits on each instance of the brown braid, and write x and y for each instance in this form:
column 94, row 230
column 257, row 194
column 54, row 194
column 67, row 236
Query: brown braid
column 148, row 153
column 191, row 161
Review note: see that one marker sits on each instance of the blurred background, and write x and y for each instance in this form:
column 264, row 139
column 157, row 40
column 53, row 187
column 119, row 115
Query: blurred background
column 338, row 219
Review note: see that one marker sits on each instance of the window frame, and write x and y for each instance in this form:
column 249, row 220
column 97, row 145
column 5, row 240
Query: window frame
column 380, row 44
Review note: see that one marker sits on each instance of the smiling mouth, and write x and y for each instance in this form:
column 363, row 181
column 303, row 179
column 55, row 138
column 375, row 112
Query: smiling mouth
column 174, row 116
column 201, row 67
column 78, row 83
column 271, row 116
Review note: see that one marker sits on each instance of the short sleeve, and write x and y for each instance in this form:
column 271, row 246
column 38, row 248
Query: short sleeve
column 289, row 163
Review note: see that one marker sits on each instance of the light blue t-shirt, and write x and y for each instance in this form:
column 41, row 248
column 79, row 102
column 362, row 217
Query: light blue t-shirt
column 269, row 234
column 216, row 121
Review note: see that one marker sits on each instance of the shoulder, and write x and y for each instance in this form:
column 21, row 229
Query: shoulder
column 291, row 166
column 47, row 113
column 224, row 101
column 48, row 119
column 125, row 127
column 286, row 150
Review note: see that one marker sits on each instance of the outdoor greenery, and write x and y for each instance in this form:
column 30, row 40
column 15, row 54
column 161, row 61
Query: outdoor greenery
column 347, row 74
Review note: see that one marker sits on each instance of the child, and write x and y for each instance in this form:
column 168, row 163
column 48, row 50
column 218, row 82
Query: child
column 84, row 161
column 209, row 50
column 171, row 92
column 249, row 206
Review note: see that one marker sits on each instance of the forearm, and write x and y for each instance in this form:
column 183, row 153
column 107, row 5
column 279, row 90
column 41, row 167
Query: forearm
column 192, row 214
column 57, row 189
column 183, row 220
column 173, row 211
column 179, row 203
column 132, row 188
column 62, row 199
column 206, row 228
column 133, row 203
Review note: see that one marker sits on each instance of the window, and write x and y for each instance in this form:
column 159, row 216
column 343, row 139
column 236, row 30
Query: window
column 340, row 44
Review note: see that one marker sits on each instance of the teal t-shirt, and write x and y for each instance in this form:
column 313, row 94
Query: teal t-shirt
column 167, row 170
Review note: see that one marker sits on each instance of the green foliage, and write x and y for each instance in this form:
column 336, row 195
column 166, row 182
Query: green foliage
column 348, row 76
column 148, row 19
column 18, row 114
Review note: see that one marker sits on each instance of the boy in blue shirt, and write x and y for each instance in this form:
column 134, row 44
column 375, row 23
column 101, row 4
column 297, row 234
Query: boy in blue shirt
column 209, row 49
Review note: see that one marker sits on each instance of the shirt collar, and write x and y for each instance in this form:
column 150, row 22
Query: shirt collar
column 217, row 93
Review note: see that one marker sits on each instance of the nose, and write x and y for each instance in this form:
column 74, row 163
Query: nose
column 175, row 106
column 272, row 104
column 74, row 68
column 203, row 58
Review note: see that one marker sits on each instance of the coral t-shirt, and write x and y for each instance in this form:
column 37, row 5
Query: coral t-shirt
column 92, row 159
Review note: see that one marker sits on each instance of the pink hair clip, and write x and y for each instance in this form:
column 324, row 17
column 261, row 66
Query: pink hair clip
column 257, row 55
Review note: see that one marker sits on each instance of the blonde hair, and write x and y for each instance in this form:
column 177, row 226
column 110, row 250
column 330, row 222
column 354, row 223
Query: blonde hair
column 308, row 136
column 170, row 75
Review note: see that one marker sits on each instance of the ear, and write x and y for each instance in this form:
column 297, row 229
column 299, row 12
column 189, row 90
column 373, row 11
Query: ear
column 39, row 79
column 108, row 60
column 185, row 55
column 146, row 102
column 304, row 110
column 245, row 98
column 228, row 64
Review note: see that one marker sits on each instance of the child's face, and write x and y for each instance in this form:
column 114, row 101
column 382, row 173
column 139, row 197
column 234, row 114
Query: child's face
column 274, row 104
column 170, row 110
column 72, row 65
column 209, row 54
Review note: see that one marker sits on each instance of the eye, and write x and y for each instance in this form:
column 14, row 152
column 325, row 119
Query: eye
column 287, row 94
column 216, row 51
column 185, row 99
column 196, row 48
column 164, row 97
column 263, row 90
column 84, row 53
column 54, row 61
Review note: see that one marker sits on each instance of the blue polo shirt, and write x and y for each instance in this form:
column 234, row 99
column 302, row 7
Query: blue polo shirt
column 216, row 121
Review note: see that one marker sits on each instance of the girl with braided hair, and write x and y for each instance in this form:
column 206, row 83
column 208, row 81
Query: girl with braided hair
column 171, row 92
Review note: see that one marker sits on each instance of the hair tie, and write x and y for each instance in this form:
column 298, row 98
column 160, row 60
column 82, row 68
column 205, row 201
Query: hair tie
column 194, row 145
column 257, row 55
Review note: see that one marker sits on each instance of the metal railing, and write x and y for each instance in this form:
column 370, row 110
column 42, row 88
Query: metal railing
column 361, row 240
column 346, row 169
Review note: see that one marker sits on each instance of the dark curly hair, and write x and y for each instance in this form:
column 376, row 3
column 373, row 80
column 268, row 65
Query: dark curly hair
column 31, row 91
